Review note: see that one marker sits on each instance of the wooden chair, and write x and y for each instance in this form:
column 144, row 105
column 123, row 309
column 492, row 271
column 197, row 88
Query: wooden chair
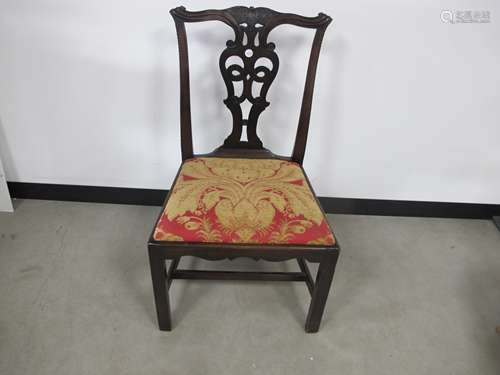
column 242, row 200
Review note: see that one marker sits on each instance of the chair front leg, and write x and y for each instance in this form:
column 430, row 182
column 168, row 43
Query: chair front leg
column 159, row 278
column 320, row 293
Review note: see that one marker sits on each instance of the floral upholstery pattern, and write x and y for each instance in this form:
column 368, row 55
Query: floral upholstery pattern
column 229, row 200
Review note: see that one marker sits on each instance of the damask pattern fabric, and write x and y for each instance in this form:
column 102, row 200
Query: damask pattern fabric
column 229, row 200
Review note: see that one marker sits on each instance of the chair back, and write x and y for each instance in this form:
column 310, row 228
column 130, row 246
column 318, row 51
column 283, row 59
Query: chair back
column 248, row 65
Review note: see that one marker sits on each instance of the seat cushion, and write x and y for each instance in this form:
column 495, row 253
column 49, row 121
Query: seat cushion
column 246, row 201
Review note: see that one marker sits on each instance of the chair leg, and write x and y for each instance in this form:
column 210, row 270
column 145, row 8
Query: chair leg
column 320, row 292
column 159, row 278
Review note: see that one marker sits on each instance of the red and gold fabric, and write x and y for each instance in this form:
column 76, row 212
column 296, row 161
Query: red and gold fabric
column 229, row 200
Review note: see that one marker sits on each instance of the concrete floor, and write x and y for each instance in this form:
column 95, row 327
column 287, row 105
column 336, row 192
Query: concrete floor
column 410, row 296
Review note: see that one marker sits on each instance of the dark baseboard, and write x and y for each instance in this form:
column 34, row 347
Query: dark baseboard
column 409, row 208
column 83, row 193
column 152, row 197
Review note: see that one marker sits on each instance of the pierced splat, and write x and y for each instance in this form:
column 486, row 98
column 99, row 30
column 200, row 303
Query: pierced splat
column 250, row 63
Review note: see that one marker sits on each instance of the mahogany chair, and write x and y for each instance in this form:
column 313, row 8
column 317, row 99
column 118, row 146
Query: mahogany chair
column 242, row 200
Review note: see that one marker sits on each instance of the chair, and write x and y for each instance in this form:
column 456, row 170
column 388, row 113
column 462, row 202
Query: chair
column 241, row 200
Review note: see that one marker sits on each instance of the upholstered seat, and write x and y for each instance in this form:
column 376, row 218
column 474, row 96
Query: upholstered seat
column 232, row 200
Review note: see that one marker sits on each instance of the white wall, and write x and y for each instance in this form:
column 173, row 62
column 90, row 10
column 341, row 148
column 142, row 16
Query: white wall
column 406, row 106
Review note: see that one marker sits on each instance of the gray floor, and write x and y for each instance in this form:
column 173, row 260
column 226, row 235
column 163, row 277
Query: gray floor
column 410, row 296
